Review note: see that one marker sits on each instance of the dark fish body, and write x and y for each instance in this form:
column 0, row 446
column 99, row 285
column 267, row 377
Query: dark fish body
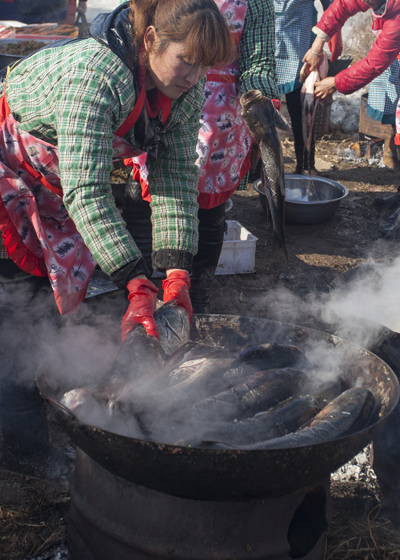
column 185, row 370
column 279, row 420
column 272, row 355
column 173, row 325
column 259, row 392
column 324, row 393
column 188, row 362
column 206, row 380
column 309, row 103
column 261, row 118
column 141, row 355
column 192, row 351
column 346, row 414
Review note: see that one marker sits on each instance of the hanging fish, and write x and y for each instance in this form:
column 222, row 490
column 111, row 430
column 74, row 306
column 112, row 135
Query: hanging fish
column 261, row 118
column 309, row 102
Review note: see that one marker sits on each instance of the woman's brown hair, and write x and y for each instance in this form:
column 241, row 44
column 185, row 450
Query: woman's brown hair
column 197, row 23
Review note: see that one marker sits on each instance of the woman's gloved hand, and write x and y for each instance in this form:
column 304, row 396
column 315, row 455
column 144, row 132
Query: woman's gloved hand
column 143, row 298
column 277, row 104
column 176, row 286
column 336, row 46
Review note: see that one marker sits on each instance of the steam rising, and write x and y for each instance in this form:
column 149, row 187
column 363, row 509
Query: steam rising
column 77, row 352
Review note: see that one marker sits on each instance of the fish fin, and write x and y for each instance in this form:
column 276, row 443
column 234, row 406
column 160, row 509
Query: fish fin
column 304, row 72
column 280, row 121
column 279, row 245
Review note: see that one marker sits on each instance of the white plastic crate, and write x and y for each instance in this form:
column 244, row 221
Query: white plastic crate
column 238, row 255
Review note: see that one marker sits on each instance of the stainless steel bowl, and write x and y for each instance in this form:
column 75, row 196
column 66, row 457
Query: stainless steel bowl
column 309, row 200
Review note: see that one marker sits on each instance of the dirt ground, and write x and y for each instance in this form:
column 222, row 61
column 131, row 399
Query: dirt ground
column 317, row 253
column 34, row 515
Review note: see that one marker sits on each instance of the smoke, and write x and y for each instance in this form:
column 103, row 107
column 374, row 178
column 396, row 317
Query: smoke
column 360, row 303
column 76, row 353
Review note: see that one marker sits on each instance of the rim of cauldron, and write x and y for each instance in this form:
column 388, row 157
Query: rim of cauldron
column 180, row 476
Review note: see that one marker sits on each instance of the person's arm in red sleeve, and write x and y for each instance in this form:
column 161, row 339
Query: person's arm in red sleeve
column 331, row 23
column 383, row 52
column 334, row 17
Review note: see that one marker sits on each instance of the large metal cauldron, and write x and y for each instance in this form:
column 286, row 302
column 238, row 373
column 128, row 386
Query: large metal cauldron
column 209, row 474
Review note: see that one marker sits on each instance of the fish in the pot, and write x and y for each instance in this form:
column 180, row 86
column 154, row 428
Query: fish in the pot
column 212, row 375
column 324, row 392
column 192, row 351
column 262, row 118
column 90, row 408
column 185, row 361
column 348, row 413
column 272, row 356
column 309, row 102
column 190, row 367
column 140, row 359
column 141, row 355
column 281, row 419
column 258, row 392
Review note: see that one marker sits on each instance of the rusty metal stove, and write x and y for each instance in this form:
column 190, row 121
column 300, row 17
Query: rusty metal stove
column 138, row 499
column 114, row 518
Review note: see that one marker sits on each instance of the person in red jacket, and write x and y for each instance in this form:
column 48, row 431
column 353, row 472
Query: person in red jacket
column 386, row 26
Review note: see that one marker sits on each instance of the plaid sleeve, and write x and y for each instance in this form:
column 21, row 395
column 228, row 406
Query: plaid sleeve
column 173, row 179
column 81, row 94
column 86, row 118
column 257, row 67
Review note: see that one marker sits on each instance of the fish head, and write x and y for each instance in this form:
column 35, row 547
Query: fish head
column 260, row 114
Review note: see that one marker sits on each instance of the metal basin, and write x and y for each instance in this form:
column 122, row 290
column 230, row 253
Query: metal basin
column 309, row 200
column 218, row 474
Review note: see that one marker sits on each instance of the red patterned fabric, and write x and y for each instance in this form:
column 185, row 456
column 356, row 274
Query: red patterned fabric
column 37, row 232
column 224, row 141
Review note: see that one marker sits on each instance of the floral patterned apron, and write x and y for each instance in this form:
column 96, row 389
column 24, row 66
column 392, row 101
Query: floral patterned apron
column 37, row 232
column 223, row 141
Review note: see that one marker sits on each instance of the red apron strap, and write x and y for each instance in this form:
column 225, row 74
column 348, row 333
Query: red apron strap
column 133, row 115
column 166, row 104
column 29, row 169
column 222, row 78
column 4, row 108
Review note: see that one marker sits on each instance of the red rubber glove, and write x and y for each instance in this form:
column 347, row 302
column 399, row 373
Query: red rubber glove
column 143, row 298
column 277, row 104
column 176, row 286
column 336, row 46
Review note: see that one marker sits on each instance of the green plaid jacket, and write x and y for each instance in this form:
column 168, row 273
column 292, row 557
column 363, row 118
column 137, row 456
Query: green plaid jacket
column 76, row 97
column 257, row 65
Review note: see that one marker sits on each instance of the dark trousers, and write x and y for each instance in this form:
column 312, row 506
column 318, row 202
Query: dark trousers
column 26, row 303
column 211, row 238
column 137, row 214
column 293, row 104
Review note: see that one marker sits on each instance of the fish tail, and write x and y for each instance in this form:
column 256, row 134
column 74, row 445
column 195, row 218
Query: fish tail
column 278, row 245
